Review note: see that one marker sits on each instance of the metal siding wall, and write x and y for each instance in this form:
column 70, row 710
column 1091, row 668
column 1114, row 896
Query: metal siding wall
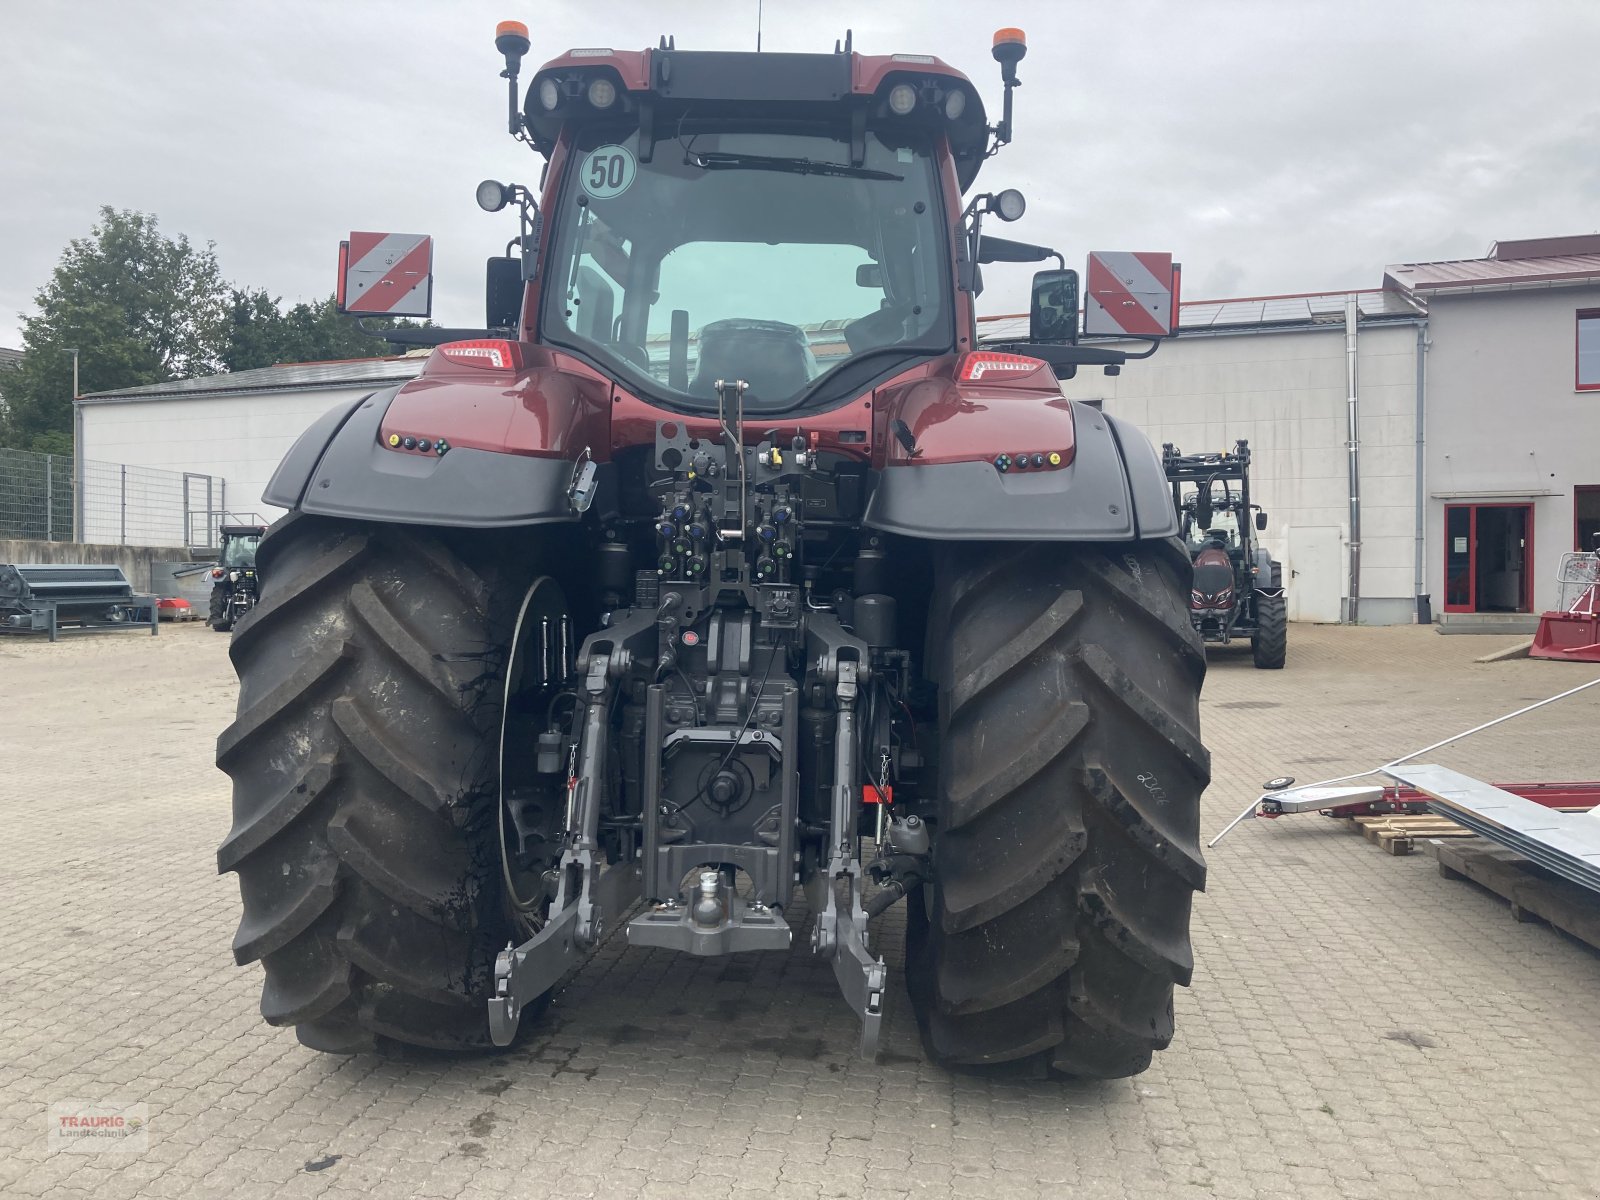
column 1285, row 393
column 240, row 438
column 1504, row 416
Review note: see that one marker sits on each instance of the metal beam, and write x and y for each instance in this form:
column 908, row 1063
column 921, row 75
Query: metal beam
column 1567, row 844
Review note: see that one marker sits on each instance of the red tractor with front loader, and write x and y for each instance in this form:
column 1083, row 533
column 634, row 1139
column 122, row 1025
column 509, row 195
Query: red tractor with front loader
column 721, row 587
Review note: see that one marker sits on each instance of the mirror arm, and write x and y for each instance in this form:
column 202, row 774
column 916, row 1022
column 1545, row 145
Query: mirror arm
column 423, row 336
column 530, row 222
column 1065, row 354
column 971, row 231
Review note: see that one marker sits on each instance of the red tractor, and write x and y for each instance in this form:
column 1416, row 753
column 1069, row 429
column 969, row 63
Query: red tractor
column 722, row 568
column 1238, row 586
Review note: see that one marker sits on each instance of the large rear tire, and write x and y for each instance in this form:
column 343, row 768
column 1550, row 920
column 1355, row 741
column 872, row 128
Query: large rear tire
column 1068, row 812
column 1269, row 645
column 365, row 790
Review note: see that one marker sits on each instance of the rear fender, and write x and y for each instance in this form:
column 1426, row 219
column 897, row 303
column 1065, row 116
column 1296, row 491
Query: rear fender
column 340, row 467
column 1269, row 574
column 1110, row 486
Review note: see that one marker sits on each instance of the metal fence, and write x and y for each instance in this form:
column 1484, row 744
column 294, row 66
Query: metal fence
column 116, row 504
column 36, row 496
column 1579, row 576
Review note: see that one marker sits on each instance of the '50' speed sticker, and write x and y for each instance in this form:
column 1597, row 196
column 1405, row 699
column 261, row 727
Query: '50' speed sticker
column 608, row 171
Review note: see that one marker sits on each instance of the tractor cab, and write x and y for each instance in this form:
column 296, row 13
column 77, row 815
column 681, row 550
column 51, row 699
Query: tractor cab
column 784, row 219
column 795, row 221
column 239, row 544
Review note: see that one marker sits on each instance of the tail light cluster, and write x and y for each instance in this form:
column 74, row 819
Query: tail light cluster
column 981, row 364
column 488, row 354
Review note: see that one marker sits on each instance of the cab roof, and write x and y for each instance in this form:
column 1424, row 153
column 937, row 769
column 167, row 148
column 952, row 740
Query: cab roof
column 656, row 89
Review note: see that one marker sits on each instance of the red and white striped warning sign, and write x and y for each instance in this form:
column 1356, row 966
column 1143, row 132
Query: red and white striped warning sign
column 1129, row 294
column 386, row 274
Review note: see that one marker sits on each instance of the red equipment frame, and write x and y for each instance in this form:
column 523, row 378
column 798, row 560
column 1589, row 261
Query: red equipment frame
column 1398, row 799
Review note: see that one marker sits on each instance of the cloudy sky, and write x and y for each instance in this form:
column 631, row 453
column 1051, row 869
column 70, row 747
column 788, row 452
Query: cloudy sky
column 1273, row 147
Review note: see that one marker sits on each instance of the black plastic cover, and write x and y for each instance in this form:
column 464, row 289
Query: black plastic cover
column 288, row 482
column 722, row 75
column 1114, row 490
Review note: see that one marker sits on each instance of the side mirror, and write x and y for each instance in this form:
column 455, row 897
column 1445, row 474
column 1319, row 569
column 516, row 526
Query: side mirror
column 870, row 275
column 1053, row 308
column 385, row 275
column 1261, row 520
column 503, row 293
column 1132, row 295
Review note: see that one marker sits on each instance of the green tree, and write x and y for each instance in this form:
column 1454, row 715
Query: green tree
column 261, row 332
column 138, row 306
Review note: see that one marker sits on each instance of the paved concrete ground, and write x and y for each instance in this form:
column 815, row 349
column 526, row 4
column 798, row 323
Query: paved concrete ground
column 1357, row 1027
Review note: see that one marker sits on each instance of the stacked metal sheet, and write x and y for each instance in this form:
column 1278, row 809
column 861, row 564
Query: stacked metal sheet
column 1567, row 844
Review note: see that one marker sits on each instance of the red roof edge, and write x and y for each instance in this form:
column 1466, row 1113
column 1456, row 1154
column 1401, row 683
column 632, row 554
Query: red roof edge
column 1546, row 247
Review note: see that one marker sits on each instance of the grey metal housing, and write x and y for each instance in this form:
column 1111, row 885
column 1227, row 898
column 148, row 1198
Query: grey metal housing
column 338, row 468
column 1114, row 490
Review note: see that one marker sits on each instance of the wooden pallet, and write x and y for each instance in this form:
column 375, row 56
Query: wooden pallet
column 1398, row 834
column 1531, row 891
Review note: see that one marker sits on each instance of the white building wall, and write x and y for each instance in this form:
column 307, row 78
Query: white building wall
column 1285, row 393
column 237, row 438
column 1505, row 421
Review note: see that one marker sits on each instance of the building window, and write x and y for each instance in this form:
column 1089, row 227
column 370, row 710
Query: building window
column 1589, row 349
column 1586, row 517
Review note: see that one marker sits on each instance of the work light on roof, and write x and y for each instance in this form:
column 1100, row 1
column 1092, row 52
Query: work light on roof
column 902, row 99
column 602, row 92
column 549, row 94
column 955, row 104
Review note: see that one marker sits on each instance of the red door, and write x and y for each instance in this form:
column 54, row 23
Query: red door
column 1488, row 558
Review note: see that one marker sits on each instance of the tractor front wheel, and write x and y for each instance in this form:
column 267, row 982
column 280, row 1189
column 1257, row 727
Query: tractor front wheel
column 1068, row 810
column 219, row 618
column 1269, row 645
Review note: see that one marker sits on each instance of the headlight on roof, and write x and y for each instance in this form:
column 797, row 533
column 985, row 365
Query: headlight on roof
column 902, row 99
